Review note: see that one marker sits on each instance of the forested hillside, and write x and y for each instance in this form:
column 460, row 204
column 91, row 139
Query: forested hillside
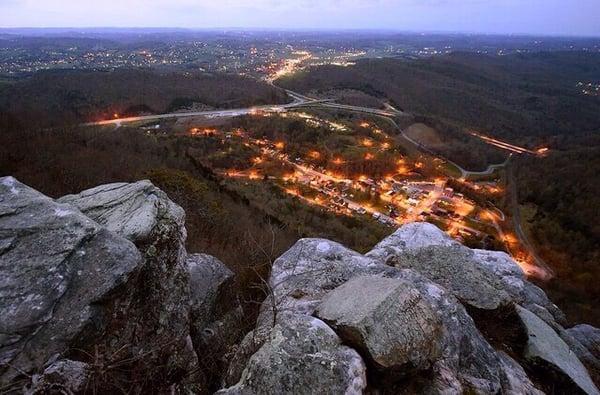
column 559, row 195
column 63, row 97
column 525, row 98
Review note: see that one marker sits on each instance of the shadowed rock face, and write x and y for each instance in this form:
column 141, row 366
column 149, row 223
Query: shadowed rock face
column 157, row 324
column 56, row 264
column 545, row 347
column 215, row 312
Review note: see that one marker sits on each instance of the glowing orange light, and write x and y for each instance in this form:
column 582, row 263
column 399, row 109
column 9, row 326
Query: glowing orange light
column 368, row 156
column 419, row 165
column 279, row 145
column 257, row 160
column 116, row 115
column 385, row 145
column 377, row 131
column 364, row 124
column 314, row 154
column 338, row 161
column 367, row 142
column 253, row 175
column 385, row 197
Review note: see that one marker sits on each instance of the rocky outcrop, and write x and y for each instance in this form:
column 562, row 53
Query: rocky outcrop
column 57, row 267
column 61, row 377
column 516, row 285
column 402, row 311
column 97, row 292
column 547, row 351
column 137, row 211
column 98, row 287
column 482, row 279
column 157, row 326
column 304, row 277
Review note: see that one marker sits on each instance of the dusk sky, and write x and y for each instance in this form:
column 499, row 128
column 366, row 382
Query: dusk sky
column 557, row 17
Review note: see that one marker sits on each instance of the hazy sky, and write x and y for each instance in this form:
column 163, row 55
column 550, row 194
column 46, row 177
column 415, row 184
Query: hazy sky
column 568, row 17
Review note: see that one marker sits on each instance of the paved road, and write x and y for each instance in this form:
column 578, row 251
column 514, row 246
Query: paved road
column 464, row 172
column 543, row 270
column 299, row 102
column 366, row 110
column 213, row 113
column 490, row 169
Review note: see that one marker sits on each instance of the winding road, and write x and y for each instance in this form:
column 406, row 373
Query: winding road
column 542, row 270
column 546, row 273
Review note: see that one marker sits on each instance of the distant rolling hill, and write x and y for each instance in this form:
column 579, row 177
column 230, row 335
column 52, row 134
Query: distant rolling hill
column 56, row 97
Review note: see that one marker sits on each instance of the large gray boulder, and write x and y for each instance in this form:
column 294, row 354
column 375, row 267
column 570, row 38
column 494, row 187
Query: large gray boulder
column 482, row 279
column 135, row 211
column 387, row 319
column 57, row 267
column 303, row 276
column 302, row 355
column 157, row 324
column 454, row 268
column 584, row 340
column 547, row 351
column 412, row 236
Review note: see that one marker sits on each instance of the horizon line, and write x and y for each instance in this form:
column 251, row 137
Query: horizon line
column 304, row 30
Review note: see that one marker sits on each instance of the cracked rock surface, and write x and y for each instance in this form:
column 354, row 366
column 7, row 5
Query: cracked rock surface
column 56, row 265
